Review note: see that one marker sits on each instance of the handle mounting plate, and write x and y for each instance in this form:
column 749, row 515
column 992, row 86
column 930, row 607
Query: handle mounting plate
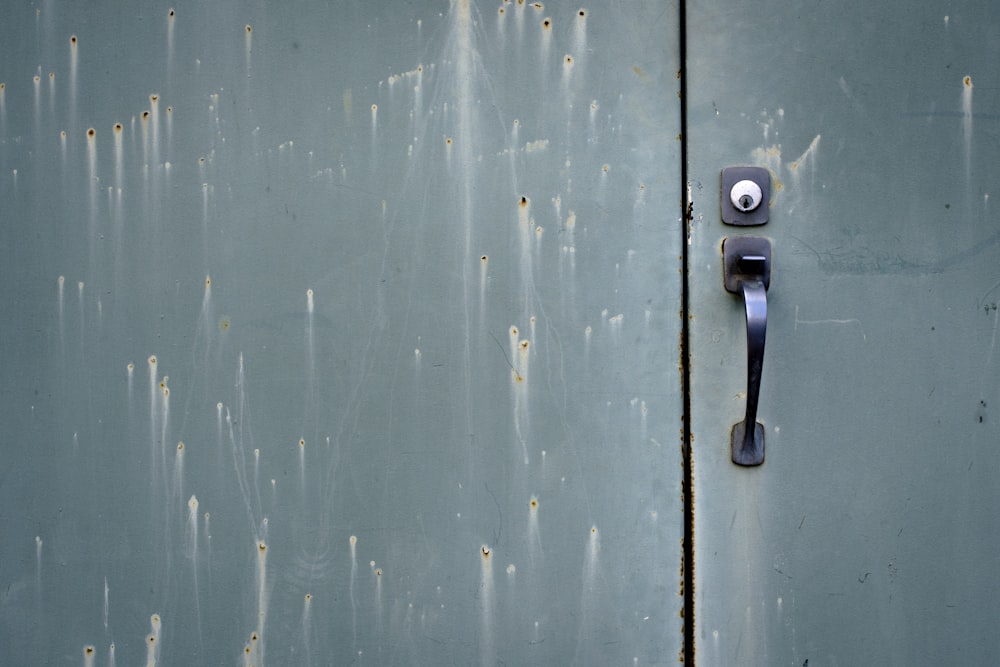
column 746, row 258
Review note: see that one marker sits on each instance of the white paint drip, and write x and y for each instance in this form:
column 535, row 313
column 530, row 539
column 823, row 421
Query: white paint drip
column 487, row 652
column 535, row 551
column 262, row 598
column 809, row 156
column 464, row 57
column 580, row 32
column 806, row 161
column 74, row 60
column 306, row 624
column 153, row 640
column 170, row 43
column 354, row 604
column 967, row 123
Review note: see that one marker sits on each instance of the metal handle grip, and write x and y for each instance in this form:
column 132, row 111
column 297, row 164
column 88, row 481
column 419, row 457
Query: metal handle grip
column 748, row 435
column 747, row 266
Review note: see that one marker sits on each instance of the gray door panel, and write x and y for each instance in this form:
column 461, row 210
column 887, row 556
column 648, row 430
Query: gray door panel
column 404, row 281
column 868, row 536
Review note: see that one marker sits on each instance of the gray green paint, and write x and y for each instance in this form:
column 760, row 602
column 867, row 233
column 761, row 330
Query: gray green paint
column 374, row 155
column 869, row 534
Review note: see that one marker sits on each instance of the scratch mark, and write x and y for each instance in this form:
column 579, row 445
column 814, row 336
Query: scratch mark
column 989, row 356
column 846, row 89
column 864, row 260
column 830, row 321
column 499, row 531
column 504, row 353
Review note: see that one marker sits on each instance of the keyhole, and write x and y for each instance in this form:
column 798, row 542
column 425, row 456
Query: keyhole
column 745, row 196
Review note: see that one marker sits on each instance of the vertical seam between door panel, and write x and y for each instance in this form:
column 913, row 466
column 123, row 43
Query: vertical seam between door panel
column 686, row 445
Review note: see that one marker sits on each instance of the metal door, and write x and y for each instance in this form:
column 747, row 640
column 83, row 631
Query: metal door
column 348, row 334
column 869, row 534
column 340, row 333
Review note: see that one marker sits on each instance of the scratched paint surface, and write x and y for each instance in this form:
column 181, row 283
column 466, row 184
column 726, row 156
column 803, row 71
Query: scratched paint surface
column 339, row 334
column 869, row 535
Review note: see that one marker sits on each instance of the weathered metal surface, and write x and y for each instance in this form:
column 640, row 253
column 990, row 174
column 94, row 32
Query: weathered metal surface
column 403, row 278
column 869, row 534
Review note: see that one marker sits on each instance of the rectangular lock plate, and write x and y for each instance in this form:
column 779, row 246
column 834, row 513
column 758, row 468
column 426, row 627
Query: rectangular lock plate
column 745, row 195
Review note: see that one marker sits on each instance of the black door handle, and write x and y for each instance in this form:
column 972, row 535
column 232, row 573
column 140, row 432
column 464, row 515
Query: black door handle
column 747, row 270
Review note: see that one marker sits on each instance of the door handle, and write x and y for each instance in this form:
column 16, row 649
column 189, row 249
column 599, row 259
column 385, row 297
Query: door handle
column 747, row 271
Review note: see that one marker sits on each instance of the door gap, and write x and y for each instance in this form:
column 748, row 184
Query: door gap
column 687, row 206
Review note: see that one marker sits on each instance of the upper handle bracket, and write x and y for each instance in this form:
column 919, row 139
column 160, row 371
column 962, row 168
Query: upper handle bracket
column 746, row 258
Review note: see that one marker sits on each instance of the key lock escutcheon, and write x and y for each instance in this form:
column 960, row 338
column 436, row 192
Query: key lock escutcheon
column 747, row 272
